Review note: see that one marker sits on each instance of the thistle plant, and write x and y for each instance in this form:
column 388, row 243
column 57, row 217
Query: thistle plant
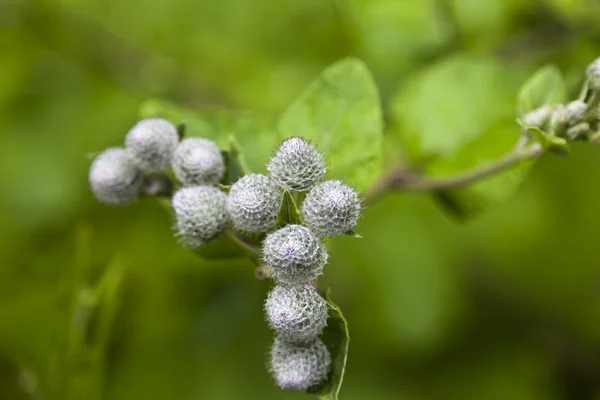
column 280, row 220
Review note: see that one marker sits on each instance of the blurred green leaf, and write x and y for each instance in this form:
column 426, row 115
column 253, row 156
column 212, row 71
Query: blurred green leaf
column 545, row 87
column 448, row 105
column 336, row 338
column 470, row 200
column 340, row 113
column 289, row 212
column 458, row 115
column 253, row 133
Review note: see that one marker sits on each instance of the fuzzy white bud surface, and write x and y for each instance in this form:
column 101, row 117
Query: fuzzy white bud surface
column 296, row 313
column 299, row 366
column 294, row 254
column 114, row 177
column 152, row 143
column 331, row 208
column 253, row 203
column 297, row 165
column 198, row 161
column 201, row 214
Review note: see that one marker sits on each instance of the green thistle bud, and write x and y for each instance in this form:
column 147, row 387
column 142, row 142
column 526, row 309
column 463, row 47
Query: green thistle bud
column 294, row 254
column 152, row 143
column 201, row 214
column 253, row 203
column 198, row 161
column 296, row 313
column 114, row 177
column 297, row 165
column 331, row 208
column 299, row 366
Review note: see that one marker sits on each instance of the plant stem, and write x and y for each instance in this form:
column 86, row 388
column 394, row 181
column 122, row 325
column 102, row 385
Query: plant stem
column 400, row 178
column 244, row 244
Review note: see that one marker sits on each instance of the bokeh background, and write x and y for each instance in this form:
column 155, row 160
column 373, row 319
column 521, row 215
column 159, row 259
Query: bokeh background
column 505, row 306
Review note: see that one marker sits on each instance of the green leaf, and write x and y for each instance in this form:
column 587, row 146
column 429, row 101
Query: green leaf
column 340, row 113
column 445, row 107
column 336, row 338
column 253, row 133
column 471, row 200
column 289, row 212
column 545, row 87
column 458, row 116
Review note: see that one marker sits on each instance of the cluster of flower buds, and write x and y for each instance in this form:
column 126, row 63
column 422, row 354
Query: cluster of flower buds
column 576, row 120
column 294, row 253
column 117, row 176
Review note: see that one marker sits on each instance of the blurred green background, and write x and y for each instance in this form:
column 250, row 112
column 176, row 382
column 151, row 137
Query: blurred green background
column 506, row 306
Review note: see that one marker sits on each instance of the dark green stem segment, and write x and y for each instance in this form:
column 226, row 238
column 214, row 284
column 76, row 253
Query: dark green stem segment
column 248, row 247
column 399, row 178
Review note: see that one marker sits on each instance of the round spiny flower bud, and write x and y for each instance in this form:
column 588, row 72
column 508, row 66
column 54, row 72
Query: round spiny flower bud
column 114, row 177
column 294, row 254
column 331, row 208
column 296, row 313
column 593, row 74
column 575, row 112
column 201, row 214
column 538, row 117
column 299, row 366
column 297, row 165
column 152, row 143
column 253, row 203
column 198, row 161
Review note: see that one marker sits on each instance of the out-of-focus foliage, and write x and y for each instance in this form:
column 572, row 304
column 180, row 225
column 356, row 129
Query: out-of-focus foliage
column 505, row 306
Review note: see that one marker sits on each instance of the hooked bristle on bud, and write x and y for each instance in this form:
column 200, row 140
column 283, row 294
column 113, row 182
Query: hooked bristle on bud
column 538, row 117
column 299, row 366
column 152, row 143
column 297, row 165
column 331, row 208
column 593, row 74
column 253, row 203
column 201, row 214
column 296, row 313
column 294, row 254
column 114, row 177
column 198, row 161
